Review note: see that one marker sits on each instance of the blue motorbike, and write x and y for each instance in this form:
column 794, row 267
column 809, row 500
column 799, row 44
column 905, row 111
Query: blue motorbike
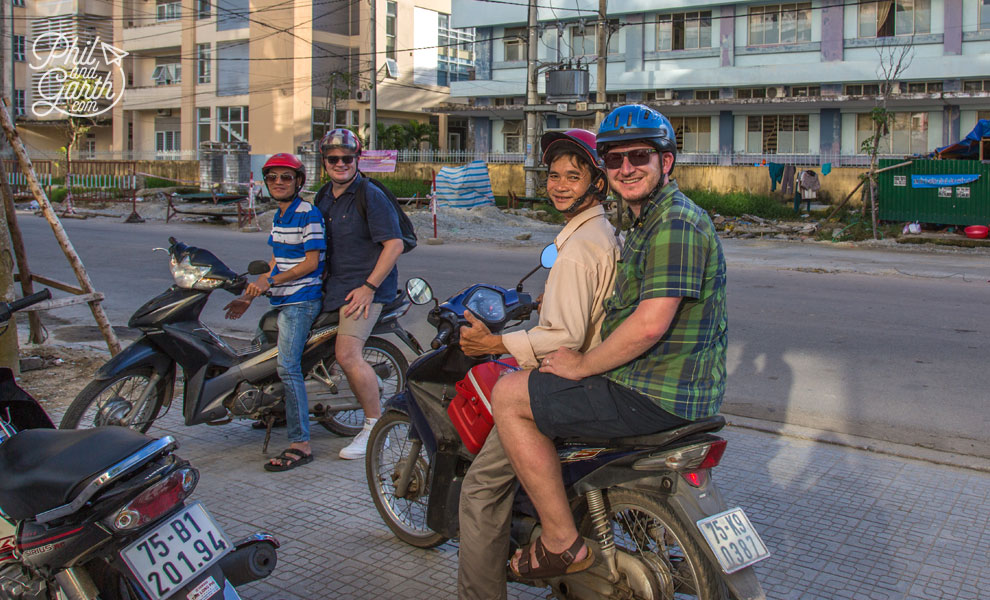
column 661, row 526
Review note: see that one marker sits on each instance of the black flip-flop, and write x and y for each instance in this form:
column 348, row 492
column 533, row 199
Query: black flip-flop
column 293, row 458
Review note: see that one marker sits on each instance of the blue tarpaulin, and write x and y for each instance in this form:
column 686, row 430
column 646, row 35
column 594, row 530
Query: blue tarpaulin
column 969, row 147
column 464, row 187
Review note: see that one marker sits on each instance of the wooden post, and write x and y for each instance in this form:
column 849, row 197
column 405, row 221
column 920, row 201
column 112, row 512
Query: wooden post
column 17, row 241
column 8, row 336
column 63, row 240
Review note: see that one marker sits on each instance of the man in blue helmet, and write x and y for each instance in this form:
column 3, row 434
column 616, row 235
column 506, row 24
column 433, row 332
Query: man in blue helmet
column 661, row 363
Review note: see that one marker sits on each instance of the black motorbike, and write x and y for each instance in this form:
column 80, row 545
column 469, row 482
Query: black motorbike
column 222, row 382
column 660, row 526
column 101, row 514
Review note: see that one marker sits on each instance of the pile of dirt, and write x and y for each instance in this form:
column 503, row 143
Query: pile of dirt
column 63, row 371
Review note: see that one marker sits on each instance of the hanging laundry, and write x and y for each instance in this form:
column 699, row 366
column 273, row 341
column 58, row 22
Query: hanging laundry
column 826, row 168
column 776, row 172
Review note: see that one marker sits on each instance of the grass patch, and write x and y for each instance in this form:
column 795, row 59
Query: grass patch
column 158, row 182
column 401, row 187
column 857, row 229
column 736, row 204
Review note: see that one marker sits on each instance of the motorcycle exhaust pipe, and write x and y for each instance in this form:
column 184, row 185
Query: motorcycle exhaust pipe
column 252, row 558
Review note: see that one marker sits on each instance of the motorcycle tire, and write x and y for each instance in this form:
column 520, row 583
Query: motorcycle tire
column 645, row 527
column 117, row 408
column 379, row 353
column 389, row 447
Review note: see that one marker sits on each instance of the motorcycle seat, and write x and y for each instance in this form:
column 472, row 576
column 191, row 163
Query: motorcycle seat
column 42, row 469
column 662, row 438
column 269, row 321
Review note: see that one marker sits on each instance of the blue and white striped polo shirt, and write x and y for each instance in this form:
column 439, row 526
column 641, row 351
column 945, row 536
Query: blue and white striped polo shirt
column 298, row 230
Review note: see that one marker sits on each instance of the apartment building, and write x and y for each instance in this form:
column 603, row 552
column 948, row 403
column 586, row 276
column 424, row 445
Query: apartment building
column 276, row 74
column 740, row 79
column 49, row 21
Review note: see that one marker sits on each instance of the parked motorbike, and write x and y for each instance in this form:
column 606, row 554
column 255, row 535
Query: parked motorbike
column 222, row 382
column 661, row 526
column 101, row 514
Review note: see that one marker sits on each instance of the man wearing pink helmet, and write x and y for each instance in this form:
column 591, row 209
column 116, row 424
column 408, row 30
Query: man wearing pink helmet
column 570, row 316
column 363, row 243
column 295, row 284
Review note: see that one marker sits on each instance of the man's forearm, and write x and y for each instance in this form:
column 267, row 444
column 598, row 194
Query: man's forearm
column 391, row 250
column 634, row 336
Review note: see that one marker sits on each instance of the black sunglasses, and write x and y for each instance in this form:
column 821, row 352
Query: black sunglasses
column 273, row 177
column 637, row 158
column 335, row 159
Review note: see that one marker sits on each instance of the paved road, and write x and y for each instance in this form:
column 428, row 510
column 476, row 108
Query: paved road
column 813, row 340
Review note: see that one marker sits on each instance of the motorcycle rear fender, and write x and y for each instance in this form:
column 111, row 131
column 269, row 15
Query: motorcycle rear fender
column 141, row 353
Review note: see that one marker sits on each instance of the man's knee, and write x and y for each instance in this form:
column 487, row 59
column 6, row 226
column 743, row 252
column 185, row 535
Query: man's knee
column 511, row 394
column 349, row 351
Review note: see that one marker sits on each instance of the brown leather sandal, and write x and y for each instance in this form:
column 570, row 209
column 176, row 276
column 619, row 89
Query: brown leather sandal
column 552, row 565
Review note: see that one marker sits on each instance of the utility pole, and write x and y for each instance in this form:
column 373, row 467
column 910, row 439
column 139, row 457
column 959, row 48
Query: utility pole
column 602, row 59
column 8, row 338
column 532, row 98
column 373, row 127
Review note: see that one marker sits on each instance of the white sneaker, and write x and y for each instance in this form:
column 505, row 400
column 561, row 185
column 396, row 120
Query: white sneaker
column 359, row 445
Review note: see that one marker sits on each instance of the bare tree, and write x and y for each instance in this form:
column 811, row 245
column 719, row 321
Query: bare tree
column 894, row 61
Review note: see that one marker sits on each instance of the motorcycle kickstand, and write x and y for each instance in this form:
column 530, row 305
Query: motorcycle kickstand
column 599, row 521
column 269, row 422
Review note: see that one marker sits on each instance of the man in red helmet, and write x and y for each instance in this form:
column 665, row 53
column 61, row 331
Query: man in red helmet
column 570, row 316
column 363, row 243
column 295, row 283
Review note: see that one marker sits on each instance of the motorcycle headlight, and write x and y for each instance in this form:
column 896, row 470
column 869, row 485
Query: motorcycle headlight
column 190, row 276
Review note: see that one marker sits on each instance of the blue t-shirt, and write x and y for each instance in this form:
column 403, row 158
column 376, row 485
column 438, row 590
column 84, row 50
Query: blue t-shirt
column 354, row 242
column 298, row 230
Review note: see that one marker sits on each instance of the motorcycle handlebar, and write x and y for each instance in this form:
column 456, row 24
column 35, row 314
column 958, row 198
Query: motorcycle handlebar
column 34, row 298
column 443, row 332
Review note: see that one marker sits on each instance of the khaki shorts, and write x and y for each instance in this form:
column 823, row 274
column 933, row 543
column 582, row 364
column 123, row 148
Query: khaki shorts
column 360, row 327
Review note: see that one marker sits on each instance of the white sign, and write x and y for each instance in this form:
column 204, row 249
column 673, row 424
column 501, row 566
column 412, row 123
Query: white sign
column 944, row 192
column 962, row 192
column 76, row 80
column 900, row 180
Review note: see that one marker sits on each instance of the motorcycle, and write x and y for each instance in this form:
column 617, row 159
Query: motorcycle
column 101, row 514
column 660, row 525
column 223, row 382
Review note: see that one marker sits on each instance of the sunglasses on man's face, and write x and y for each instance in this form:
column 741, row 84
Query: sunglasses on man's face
column 335, row 159
column 637, row 158
column 273, row 177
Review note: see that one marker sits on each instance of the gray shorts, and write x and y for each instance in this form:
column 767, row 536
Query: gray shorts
column 594, row 407
column 360, row 327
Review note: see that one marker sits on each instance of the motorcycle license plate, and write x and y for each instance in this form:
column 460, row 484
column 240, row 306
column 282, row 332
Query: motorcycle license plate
column 169, row 557
column 733, row 539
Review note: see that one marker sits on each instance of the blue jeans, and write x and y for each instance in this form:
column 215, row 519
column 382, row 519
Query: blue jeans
column 294, row 321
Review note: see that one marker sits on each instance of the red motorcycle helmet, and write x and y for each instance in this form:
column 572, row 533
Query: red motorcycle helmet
column 340, row 138
column 581, row 142
column 283, row 159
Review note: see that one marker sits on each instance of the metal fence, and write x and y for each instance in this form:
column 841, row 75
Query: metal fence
column 19, row 183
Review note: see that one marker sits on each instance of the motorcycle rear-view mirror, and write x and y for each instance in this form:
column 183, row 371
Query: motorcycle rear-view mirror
column 548, row 256
column 258, row 267
column 419, row 291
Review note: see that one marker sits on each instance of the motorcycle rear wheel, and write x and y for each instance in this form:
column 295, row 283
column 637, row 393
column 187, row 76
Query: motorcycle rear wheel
column 389, row 447
column 645, row 527
column 381, row 355
column 112, row 402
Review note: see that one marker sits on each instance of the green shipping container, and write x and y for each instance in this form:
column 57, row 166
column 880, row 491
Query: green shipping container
column 903, row 199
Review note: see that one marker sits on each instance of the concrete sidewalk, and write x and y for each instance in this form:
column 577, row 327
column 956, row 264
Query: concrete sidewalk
column 840, row 523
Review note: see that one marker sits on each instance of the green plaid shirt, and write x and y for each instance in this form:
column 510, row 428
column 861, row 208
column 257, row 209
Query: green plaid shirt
column 672, row 250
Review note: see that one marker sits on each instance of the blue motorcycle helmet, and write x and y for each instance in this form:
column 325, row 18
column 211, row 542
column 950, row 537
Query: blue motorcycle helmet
column 639, row 123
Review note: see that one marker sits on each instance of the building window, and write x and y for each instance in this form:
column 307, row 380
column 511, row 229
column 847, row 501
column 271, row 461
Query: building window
column 17, row 3
column 706, row 94
column 514, row 43
column 584, row 39
column 924, row 87
column 885, row 18
column 512, row 134
column 455, row 52
column 751, row 93
column 694, row 134
column 863, row 89
column 167, row 141
column 87, row 149
column 984, row 14
column 167, row 73
column 804, row 91
column 203, row 125
column 684, row 31
column 777, row 134
column 203, row 57
column 391, row 14
column 908, row 133
column 780, row 24
column 232, row 123
column 168, row 10
column 982, row 114
column 976, row 85
column 19, row 103
column 19, row 48
column 615, row 97
column 203, row 9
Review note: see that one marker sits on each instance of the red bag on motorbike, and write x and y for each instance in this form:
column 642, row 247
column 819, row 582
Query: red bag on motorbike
column 471, row 408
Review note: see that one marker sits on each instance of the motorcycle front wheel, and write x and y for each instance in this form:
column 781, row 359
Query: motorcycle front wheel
column 389, row 365
column 390, row 453
column 645, row 527
column 120, row 400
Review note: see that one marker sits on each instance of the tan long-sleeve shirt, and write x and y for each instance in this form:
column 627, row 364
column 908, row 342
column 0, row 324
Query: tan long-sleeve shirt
column 580, row 280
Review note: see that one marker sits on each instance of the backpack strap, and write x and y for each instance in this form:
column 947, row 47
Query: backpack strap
column 361, row 198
